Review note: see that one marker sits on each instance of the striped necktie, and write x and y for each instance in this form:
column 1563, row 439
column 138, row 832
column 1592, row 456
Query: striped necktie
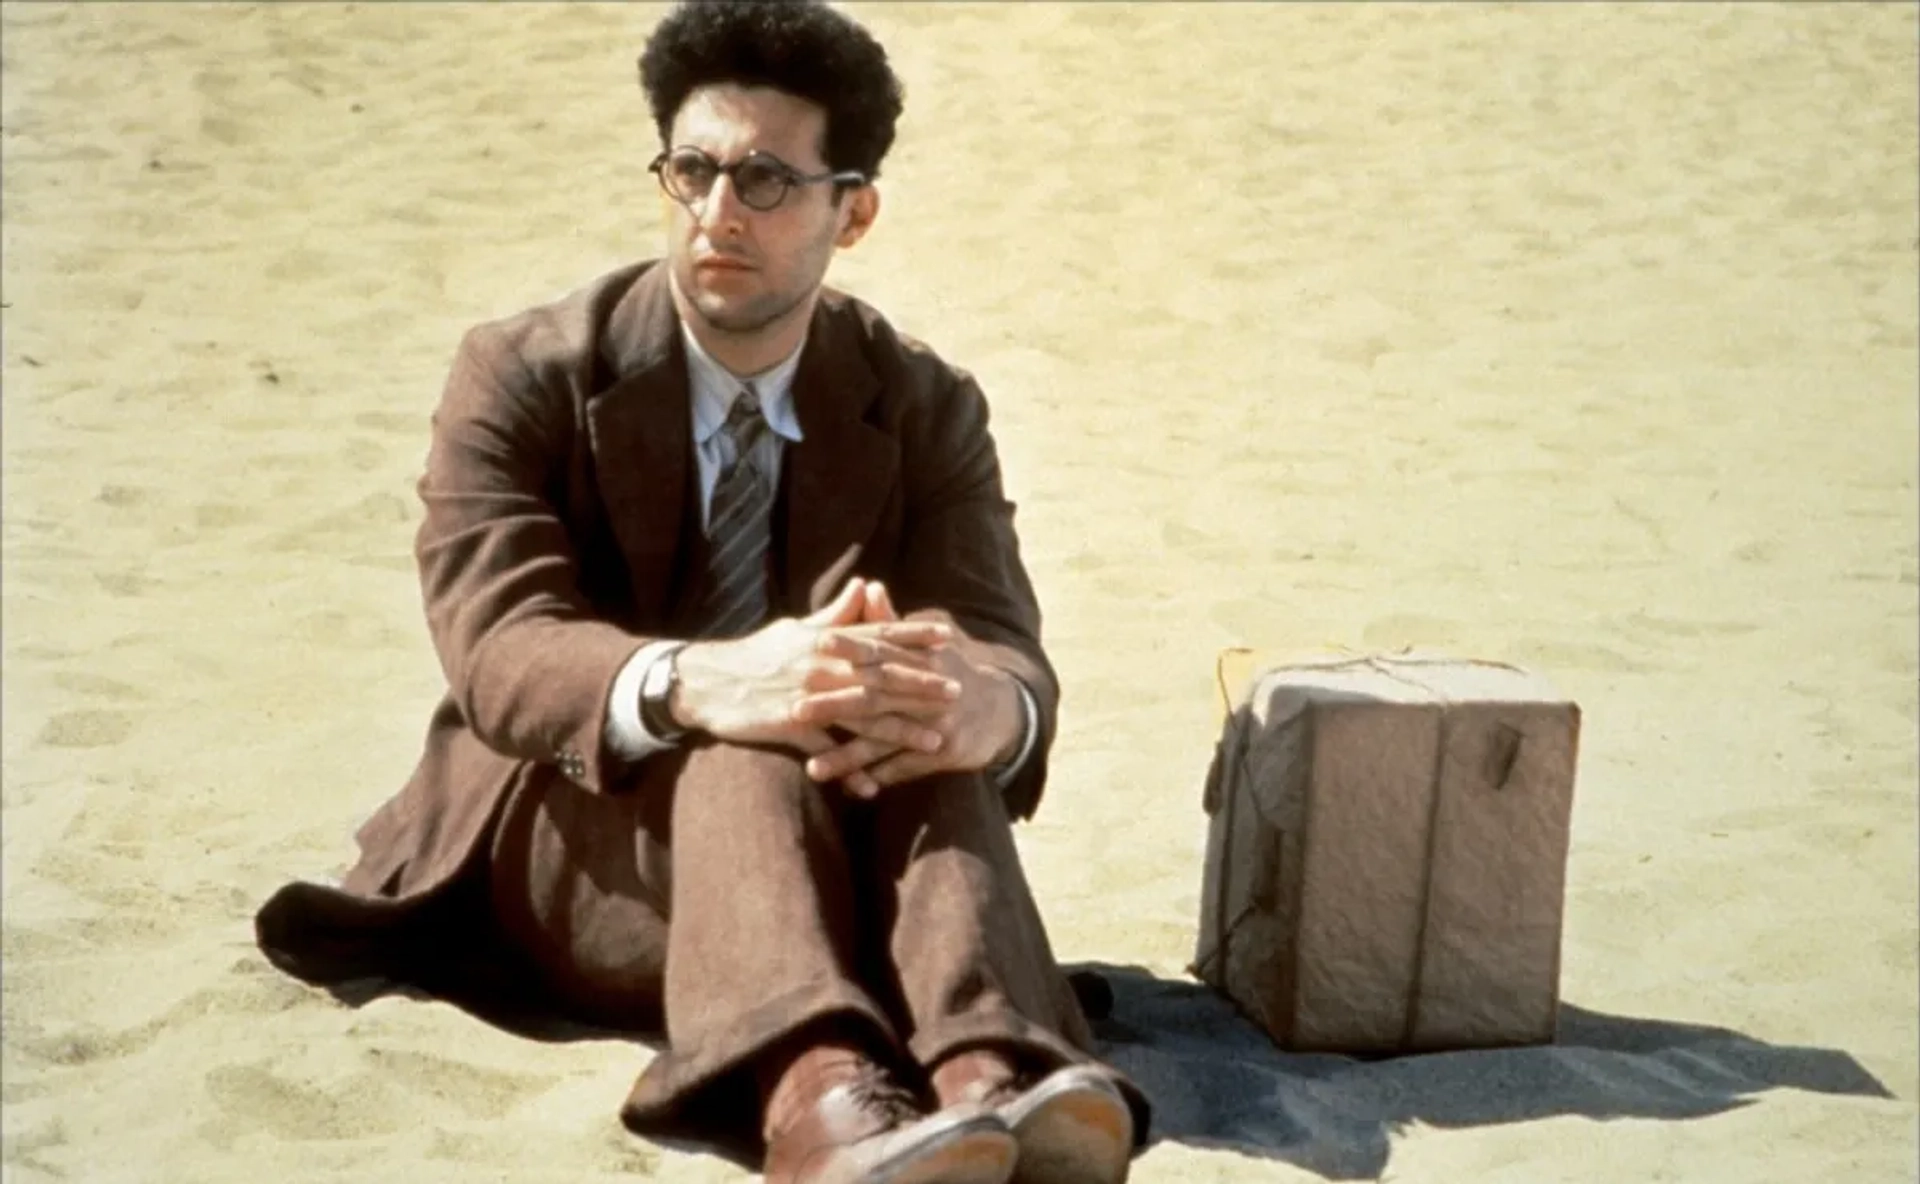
column 737, row 530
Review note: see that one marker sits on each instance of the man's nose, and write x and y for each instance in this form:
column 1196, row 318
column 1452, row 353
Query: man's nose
column 722, row 208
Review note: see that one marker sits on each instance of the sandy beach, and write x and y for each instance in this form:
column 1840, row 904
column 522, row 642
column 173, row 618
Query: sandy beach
column 1582, row 337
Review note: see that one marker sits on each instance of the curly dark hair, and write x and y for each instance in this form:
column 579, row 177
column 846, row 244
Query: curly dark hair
column 798, row 47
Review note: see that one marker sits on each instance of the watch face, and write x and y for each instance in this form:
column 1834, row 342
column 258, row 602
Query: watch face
column 655, row 689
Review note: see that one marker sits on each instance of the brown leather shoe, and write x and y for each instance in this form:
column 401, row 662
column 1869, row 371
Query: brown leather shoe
column 847, row 1122
column 1073, row 1125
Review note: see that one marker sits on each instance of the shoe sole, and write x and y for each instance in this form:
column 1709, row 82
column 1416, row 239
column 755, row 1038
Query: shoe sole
column 975, row 1152
column 1082, row 1134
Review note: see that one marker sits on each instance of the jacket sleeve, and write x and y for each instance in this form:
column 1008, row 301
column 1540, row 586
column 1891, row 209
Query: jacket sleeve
column 527, row 662
column 960, row 556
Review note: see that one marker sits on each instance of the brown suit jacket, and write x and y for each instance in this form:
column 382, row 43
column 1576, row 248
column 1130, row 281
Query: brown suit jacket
column 560, row 536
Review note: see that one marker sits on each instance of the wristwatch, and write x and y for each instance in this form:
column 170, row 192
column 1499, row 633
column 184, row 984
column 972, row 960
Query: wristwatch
column 656, row 694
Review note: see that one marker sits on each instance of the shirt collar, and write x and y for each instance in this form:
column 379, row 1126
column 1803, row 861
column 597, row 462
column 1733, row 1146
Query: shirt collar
column 714, row 388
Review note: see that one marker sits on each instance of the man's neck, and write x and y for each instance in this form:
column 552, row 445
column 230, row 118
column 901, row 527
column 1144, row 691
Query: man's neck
column 747, row 354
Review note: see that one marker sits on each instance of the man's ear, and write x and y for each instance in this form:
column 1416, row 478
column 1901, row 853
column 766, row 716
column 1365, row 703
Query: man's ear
column 862, row 207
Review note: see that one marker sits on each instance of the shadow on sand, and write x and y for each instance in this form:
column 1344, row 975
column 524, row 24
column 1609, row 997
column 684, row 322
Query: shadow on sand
column 1216, row 1080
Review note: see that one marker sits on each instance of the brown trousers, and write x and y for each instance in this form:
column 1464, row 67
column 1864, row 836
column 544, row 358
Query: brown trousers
column 741, row 901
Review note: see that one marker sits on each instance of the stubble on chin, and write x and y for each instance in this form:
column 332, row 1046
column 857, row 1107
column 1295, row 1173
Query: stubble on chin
column 752, row 317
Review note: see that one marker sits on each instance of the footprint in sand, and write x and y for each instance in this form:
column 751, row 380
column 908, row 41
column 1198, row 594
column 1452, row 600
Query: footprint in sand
column 219, row 515
column 364, row 454
column 333, row 627
column 222, row 130
column 24, row 1146
column 627, row 1156
column 301, row 264
column 215, row 84
column 478, row 1093
column 1555, row 655
column 14, row 1091
column 375, row 1098
column 1180, row 536
column 252, row 1099
column 124, row 583
column 85, row 1045
column 94, row 684
column 391, row 421
column 86, row 729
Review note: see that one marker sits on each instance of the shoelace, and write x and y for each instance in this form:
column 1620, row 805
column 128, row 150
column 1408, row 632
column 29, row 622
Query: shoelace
column 1006, row 1091
column 874, row 1090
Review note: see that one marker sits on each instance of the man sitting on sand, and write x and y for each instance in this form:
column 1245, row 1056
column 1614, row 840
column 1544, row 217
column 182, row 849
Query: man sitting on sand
column 744, row 675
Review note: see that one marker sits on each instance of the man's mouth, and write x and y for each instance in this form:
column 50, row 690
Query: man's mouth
column 721, row 263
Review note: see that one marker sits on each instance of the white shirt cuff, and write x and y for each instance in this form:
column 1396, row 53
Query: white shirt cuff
column 1030, row 713
column 627, row 735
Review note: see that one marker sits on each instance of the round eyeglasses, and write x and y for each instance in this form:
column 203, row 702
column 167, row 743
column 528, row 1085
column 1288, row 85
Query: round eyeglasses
column 760, row 181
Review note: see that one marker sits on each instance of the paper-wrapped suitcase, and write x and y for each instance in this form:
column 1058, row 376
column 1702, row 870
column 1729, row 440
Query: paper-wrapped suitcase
column 1386, row 854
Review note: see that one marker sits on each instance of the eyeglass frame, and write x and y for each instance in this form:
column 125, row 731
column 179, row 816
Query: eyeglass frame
column 793, row 178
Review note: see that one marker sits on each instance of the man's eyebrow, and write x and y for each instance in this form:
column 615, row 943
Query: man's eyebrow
column 760, row 152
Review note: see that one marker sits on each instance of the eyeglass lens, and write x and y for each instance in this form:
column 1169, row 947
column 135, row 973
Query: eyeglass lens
column 689, row 175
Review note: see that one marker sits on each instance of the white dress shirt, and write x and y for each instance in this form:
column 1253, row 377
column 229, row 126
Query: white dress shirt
column 713, row 390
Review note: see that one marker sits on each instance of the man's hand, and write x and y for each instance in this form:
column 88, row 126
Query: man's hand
column 751, row 690
column 982, row 725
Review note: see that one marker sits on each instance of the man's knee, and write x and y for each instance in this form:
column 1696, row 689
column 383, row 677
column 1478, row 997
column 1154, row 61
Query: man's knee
column 725, row 763
column 954, row 799
column 734, row 792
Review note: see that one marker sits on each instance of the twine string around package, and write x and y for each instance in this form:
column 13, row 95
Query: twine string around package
column 1386, row 666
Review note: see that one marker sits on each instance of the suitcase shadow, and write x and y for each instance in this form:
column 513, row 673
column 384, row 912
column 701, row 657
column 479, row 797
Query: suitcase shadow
column 1216, row 1081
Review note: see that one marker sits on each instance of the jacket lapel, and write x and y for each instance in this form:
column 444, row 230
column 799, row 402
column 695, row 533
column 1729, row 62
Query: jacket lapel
column 641, row 431
column 835, row 482
column 838, row 478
